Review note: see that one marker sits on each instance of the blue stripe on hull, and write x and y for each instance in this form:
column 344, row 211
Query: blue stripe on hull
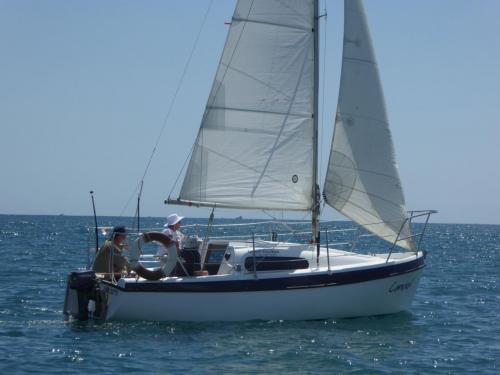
column 263, row 284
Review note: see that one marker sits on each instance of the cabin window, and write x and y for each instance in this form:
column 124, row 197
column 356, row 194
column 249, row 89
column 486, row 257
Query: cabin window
column 275, row 263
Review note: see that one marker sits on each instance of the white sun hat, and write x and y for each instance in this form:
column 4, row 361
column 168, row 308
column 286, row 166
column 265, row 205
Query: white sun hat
column 173, row 219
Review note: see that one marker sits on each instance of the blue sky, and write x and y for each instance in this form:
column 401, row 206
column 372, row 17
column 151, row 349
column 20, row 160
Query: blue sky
column 85, row 87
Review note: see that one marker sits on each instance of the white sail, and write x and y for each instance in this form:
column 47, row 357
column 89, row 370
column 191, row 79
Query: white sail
column 362, row 180
column 254, row 148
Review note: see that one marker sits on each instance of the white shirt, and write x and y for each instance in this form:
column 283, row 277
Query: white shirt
column 174, row 235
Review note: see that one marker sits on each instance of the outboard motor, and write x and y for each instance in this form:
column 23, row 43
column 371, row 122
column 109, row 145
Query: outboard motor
column 79, row 291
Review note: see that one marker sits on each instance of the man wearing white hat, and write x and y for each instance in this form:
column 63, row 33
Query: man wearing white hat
column 191, row 257
column 172, row 230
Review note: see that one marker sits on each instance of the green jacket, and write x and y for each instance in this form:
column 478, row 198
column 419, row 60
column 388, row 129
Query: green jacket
column 110, row 254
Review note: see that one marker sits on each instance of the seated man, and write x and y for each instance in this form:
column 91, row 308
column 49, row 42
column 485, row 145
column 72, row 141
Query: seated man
column 111, row 261
column 173, row 230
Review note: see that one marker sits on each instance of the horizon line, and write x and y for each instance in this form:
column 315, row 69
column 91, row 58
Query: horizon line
column 241, row 217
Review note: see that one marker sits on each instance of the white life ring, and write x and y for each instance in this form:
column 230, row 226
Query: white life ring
column 168, row 263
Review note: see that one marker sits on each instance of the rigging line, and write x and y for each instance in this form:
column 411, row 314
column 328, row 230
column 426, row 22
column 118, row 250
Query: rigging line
column 180, row 173
column 179, row 84
column 278, row 221
column 128, row 201
column 282, row 223
column 203, row 168
column 285, row 224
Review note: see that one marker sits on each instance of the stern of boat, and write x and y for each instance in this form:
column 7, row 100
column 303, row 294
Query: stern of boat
column 84, row 298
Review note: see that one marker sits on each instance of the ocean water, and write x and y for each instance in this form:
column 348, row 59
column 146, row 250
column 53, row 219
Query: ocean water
column 453, row 326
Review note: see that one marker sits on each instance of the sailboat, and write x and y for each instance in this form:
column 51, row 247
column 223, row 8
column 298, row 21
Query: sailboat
column 257, row 148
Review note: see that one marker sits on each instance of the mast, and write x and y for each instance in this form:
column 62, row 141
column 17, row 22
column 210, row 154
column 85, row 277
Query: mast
column 315, row 192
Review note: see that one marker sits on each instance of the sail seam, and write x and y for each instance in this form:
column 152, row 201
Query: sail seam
column 364, row 117
column 355, row 59
column 284, row 4
column 240, row 130
column 304, row 115
column 386, row 237
column 238, row 19
column 367, row 194
column 374, row 223
column 367, row 171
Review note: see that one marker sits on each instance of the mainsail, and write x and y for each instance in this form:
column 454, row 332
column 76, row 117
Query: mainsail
column 254, row 148
column 362, row 180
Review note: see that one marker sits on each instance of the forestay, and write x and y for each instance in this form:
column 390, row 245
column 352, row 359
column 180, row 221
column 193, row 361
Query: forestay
column 362, row 180
column 254, row 148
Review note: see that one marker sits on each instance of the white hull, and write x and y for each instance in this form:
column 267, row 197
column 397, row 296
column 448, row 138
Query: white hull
column 385, row 295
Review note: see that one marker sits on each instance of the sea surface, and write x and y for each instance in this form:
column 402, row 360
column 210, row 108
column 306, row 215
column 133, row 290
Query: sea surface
column 453, row 326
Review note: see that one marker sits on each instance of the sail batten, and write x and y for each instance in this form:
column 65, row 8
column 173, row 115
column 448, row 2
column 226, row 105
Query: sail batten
column 362, row 180
column 255, row 147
